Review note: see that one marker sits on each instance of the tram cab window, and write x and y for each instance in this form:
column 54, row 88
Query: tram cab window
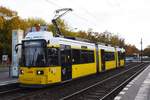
column 53, row 57
column 33, row 53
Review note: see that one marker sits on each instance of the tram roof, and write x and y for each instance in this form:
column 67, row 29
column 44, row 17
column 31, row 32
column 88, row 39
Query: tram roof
column 39, row 35
column 48, row 36
column 106, row 48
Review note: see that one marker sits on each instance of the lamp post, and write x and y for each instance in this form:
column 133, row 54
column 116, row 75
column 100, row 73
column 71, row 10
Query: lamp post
column 141, row 50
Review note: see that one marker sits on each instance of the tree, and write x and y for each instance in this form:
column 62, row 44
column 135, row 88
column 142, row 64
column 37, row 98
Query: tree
column 7, row 11
column 6, row 27
column 131, row 49
column 4, row 44
column 1, row 23
column 82, row 34
column 61, row 25
column 33, row 21
column 146, row 51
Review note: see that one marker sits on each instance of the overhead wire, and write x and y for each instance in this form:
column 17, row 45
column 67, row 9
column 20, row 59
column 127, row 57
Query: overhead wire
column 86, row 11
column 82, row 18
column 53, row 3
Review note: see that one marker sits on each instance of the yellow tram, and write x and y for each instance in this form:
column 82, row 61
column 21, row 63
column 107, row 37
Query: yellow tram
column 47, row 59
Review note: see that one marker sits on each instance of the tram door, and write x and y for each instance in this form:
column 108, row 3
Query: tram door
column 116, row 59
column 119, row 54
column 103, row 59
column 66, row 63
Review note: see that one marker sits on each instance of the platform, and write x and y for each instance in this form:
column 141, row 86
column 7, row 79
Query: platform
column 5, row 78
column 138, row 88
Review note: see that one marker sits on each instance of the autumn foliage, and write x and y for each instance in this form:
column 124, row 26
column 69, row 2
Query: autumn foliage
column 6, row 27
column 131, row 49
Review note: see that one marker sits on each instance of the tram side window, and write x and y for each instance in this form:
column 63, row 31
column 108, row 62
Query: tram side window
column 75, row 56
column 90, row 56
column 87, row 56
column 122, row 55
column 84, row 56
column 109, row 56
column 53, row 57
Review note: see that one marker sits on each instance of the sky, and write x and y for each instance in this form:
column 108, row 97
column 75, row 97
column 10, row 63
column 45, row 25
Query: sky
column 130, row 19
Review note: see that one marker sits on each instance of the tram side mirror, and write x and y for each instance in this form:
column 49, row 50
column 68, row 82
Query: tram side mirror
column 16, row 47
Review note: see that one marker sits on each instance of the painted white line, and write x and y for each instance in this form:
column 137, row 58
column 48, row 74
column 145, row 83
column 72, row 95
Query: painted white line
column 123, row 82
column 8, row 82
column 2, row 84
column 129, row 85
column 131, row 82
column 144, row 89
column 136, row 78
column 125, row 89
column 122, row 92
column 146, row 82
column 117, row 98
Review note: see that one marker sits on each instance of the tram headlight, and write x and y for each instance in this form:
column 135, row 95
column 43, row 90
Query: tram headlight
column 21, row 71
column 40, row 72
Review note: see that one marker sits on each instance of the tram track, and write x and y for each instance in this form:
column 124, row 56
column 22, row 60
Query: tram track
column 9, row 88
column 101, row 90
column 16, row 93
column 58, row 91
column 9, row 91
column 116, row 90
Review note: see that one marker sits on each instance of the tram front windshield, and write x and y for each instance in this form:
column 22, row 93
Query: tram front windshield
column 34, row 53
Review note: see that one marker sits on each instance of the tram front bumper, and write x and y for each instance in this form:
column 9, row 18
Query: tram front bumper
column 33, row 80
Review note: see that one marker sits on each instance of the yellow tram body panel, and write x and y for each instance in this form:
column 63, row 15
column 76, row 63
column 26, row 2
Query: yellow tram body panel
column 83, row 69
column 110, row 65
column 79, row 70
column 116, row 58
column 54, row 74
column 122, row 62
column 51, row 75
column 100, row 63
column 62, row 47
column 29, row 76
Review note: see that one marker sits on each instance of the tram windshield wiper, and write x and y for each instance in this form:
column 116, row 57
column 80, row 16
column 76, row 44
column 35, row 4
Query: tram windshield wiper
column 34, row 54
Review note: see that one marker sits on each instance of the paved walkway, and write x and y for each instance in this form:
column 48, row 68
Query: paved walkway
column 5, row 77
column 138, row 88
